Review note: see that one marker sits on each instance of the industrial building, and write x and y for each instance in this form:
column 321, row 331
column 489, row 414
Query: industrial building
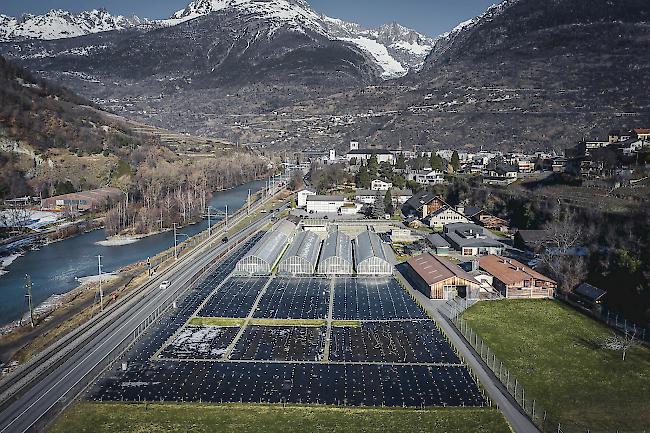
column 372, row 257
column 302, row 256
column 262, row 258
column 336, row 257
column 83, row 201
column 325, row 203
column 438, row 278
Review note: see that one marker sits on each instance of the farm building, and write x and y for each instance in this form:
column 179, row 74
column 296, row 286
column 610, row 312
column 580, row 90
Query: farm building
column 371, row 255
column 516, row 280
column 336, row 257
column 261, row 259
column 438, row 278
column 83, row 201
column 302, row 256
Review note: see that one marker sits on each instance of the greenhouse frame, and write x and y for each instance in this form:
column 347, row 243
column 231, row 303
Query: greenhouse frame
column 371, row 257
column 302, row 256
column 263, row 257
column 336, row 257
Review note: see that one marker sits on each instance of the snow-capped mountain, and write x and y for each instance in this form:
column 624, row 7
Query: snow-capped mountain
column 394, row 48
column 58, row 24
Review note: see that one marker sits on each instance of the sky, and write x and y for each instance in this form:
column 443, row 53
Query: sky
column 431, row 17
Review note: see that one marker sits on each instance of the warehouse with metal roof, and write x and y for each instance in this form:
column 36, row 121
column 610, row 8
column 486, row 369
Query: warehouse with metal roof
column 438, row 278
column 372, row 257
column 302, row 256
column 263, row 257
column 336, row 257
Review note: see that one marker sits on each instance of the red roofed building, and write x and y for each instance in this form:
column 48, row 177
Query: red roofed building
column 516, row 280
column 438, row 278
column 642, row 133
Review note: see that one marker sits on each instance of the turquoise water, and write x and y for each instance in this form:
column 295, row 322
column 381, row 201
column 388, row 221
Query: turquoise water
column 54, row 267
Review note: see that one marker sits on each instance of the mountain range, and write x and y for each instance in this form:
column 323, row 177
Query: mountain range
column 524, row 74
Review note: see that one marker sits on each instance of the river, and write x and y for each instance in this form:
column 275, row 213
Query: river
column 55, row 267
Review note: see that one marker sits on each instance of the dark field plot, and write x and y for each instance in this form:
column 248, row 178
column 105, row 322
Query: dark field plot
column 412, row 342
column 295, row 298
column 234, row 299
column 373, row 299
column 269, row 343
column 200, row 342
column 335, row 384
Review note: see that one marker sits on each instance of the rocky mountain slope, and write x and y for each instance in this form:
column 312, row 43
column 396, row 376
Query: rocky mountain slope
column 525, row 74
column 58, row 24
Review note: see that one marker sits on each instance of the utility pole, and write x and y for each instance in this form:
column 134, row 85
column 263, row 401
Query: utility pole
column 175, row 244
column 226, row 217
column 101, row 291
column 28, row 299
column 209, row 221
column 249, row 203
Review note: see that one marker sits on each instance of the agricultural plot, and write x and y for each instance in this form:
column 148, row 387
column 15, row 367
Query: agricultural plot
column 373, row 299
column 295, row 298
column 234, row 299
column 284, row 343
column 200, row 342
column 313, row 383
column 399, row 342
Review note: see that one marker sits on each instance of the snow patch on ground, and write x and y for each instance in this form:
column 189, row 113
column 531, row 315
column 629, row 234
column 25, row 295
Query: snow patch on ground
column 8, row 260
column 392, row 68
column 91, row 279
column 118, row 241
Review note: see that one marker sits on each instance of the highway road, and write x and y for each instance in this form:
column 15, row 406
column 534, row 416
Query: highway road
column 58, row 388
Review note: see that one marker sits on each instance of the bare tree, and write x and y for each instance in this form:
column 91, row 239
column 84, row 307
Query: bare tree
column 621, row 342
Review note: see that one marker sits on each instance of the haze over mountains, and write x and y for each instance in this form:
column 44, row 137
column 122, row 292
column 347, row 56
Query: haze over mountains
column 275, row 73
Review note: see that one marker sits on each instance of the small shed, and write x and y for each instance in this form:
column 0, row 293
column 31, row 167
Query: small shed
column 589, row 296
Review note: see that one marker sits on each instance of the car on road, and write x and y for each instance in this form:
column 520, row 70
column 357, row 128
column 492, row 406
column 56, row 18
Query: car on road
column 164, row 285
column 224, row 240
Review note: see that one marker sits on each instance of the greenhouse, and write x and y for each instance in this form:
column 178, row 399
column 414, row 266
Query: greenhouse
column 302, row 256
column 336, row 257
column 263, row 257
column 371, row 255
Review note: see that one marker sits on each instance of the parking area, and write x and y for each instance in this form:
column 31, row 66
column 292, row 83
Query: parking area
column 348, row 341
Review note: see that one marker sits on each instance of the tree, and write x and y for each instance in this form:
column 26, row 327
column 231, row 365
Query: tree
column 622, row 343
column 373, row 166
column 436, row 162
column 378, row 210
column 362, row 179
column 296, row 182
column 401, row 162
column 386, row 171
column 455, row 161
column 388, row 203
column 399, row 181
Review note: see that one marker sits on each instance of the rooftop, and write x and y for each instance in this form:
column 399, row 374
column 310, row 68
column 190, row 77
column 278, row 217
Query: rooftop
column 590, row 292
column 433, row 269
column 510, row 271
column 369, row 152
column 325, row 198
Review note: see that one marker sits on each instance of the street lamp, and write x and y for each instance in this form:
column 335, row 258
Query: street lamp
column 176, row 235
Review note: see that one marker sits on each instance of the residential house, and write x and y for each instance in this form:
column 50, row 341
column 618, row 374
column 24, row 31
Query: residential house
column 438, row 278
column 471, row 240
column 359, row 155
column 642, row 133
column 429, row 177
column 491, row 222
column 501, row 175
column 513, row 279
column 399, row 196
column 423, row 204
column 443, row 216
column 380, row 185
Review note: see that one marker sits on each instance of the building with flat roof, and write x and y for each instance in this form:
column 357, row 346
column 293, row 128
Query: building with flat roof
column 513, row 279
column 372, row 256
column 325, row 203
column 302, row 256
column 336, row 256
column 360, row 155
column 264, row 255
column 84, row 200
column 438, row 278
column 471, row 240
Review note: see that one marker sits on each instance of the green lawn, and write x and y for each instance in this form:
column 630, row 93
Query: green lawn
column 305, row 323
column 556, row 353
column 242, row 418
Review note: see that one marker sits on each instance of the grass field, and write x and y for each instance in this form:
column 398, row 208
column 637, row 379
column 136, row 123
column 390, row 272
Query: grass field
column 215, row 321
column 305, row 323
column 242, row 418
column 556, row 354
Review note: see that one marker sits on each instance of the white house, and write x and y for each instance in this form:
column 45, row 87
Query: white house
column 365, row 154
column 325, row 203
column 380, row 185
column 302, row 197
column 446, row 215
column 432, row 177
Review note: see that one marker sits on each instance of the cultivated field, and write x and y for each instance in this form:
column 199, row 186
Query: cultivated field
column 557, row 355
column 202, row 418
